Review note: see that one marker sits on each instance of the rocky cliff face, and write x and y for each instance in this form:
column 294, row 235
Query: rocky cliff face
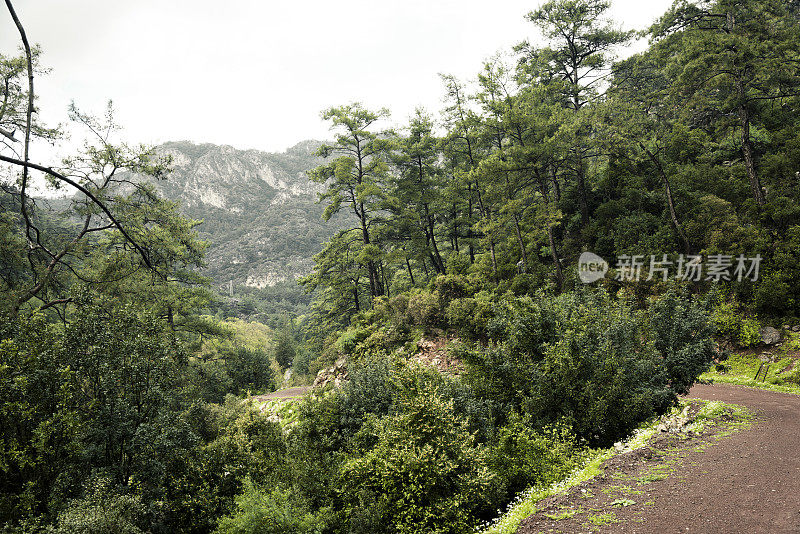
column 259, row 209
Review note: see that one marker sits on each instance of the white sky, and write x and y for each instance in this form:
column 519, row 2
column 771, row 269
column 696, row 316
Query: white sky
column 256, row 74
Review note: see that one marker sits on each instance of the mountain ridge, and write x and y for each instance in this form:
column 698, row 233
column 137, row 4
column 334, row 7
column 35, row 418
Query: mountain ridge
column 259, row 209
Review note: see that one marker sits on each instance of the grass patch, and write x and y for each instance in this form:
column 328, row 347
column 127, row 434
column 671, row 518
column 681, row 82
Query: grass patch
column 621, row 490
column 602, row 519
column 730, row 416
column 743, row 368
column 566, row 514
column 652, row 477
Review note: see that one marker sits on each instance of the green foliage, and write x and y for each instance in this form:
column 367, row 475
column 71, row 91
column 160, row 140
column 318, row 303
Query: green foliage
column 97, row 396
column 424, row 308
column 424, row 473
column 749, row 333
column 590, row 361
column 523, row 457
column 598, row 374
column 234, row 443
column 111, row 389
column 102, row 511
column 284, row 351
column 682, row 333
column 732, row 324
column 275, row 511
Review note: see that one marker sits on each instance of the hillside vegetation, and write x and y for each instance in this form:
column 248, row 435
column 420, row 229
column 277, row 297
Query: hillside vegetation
column 126, row 400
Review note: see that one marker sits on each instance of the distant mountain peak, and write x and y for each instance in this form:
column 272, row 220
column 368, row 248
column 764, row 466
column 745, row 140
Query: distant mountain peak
column 259, row 209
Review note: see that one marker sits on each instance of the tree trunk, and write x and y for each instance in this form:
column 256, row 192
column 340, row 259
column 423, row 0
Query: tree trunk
column 375, row 286
column 435, row 256
column 556, row 187
column 747, row 152
column 668, row 193
column 410, row 272
column 584, row 204
column 355, row 296
column 551, row 238
column 385, row 280
column 455, row 228
column 556, row 259
column 469, row 225
column 521, row 244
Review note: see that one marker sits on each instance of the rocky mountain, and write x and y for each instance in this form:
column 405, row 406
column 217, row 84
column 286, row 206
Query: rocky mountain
column 259, row 209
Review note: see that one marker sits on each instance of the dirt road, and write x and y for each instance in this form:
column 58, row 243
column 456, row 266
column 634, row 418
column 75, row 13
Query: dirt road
column 748, row 482
column 288, row 393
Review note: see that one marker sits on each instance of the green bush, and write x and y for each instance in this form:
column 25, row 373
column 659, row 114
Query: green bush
column 749, row 333
column 425, row 472
column 350, row 338
column 284, row 350
column 600, row 375
column 301, row 365
column 369, row 391
column 102, row 511
column 471, row 315
column 270, row 511
column 731, row 324
column 235, row 443
column 682, row 333
column 587, row 359
column 249, row 371
column 452, row 286
column 524, row 457
column 424, row 309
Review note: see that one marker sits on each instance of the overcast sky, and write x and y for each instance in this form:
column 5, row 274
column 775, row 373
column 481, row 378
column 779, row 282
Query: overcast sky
column 256, row 74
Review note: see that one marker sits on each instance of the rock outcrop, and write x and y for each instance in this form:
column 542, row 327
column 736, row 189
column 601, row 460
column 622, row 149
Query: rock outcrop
column 770, row 335
column 336, row 374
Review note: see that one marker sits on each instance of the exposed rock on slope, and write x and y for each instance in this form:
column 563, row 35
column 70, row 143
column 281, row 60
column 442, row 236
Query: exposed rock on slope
column 259, row 210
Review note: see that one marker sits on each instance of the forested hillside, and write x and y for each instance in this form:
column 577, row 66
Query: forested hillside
column 259, row 210
column 474, row 236
column 689, row 148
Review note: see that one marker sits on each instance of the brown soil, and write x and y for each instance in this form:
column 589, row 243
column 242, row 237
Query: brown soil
column 744, row 482
column 434, row 353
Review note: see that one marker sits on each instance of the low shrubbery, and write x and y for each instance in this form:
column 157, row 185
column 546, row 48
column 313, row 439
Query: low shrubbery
column 735, row 326
column 400, row 447
column 591, row 361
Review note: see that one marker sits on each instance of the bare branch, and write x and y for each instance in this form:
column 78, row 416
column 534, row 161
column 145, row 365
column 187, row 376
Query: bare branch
column 91, row 196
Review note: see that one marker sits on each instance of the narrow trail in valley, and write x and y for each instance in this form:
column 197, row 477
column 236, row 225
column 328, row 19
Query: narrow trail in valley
column 747, row 482
column 288, row 393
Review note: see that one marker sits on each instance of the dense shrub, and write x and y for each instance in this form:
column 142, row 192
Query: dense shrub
column 589, row 360
column 235, row 443
column 523, row 457
column 470, row 316
column 682, row 333
column 601, row 375
column 249, row 371
column 284, row 350
column 102, row 511
column 270, row 511
column 425, row 472
column 452, row 286
column 733, row 325
column 424, row 308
